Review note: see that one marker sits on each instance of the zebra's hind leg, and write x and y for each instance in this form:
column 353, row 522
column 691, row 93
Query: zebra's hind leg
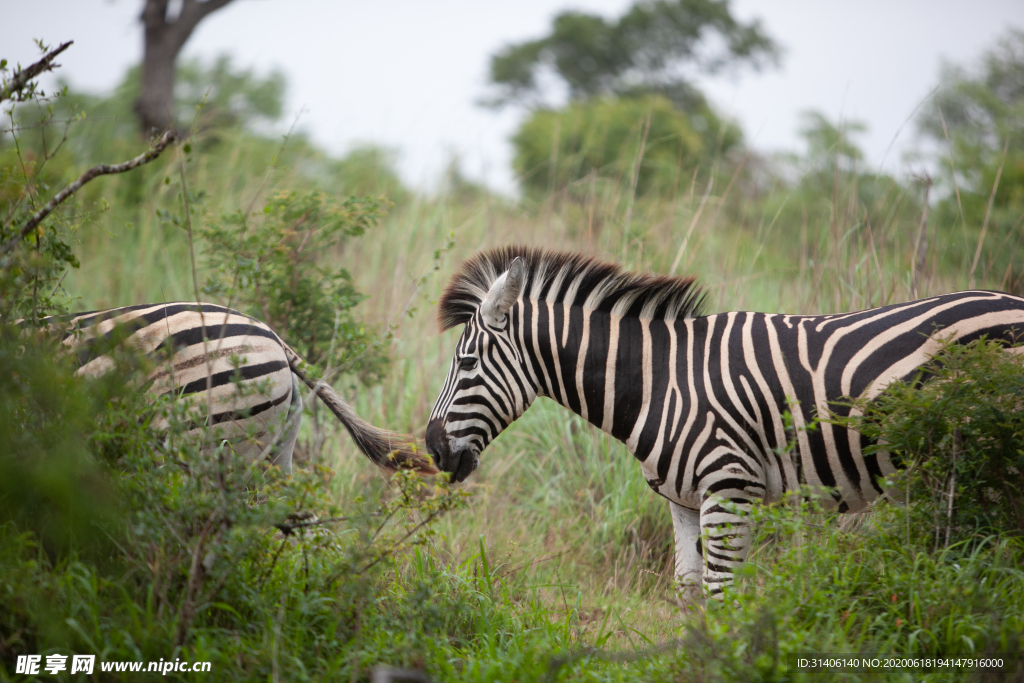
column 725, row 529
column 281, row 455
column 689, row 554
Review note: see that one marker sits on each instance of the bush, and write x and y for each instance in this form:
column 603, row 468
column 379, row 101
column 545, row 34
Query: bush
column 816, row 584
column 273, row 267
column 958, row 428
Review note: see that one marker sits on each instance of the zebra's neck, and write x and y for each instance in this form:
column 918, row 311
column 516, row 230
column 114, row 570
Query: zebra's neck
column 596, row 364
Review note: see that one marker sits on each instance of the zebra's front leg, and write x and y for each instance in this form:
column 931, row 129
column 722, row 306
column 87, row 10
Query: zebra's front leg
column 725, row 527
column 689, row 554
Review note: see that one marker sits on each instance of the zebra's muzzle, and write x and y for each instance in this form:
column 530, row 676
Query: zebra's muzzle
column 459, row 461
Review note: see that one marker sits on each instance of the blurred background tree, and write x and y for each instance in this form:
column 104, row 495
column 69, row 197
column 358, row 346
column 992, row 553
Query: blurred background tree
column 976, row 124
column 629, row 86
column 647, row 50
column 556, row 147
column 165, row 35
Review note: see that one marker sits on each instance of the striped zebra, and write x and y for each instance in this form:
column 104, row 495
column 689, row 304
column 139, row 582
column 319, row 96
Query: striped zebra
column 700, row 400
column 239, row 373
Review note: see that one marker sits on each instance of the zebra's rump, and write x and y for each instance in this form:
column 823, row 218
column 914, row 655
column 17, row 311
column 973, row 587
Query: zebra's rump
column 234, row 368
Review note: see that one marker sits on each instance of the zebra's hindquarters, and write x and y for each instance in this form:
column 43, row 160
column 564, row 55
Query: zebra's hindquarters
column 232, row 368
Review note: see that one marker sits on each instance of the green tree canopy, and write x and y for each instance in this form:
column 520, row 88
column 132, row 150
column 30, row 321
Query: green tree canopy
column 645, row 50
column 603, row 135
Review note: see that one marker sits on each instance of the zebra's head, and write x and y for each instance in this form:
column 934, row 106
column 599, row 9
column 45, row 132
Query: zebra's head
column 486, row 389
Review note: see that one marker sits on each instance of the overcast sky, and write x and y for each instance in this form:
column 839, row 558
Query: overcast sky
column 406, row 73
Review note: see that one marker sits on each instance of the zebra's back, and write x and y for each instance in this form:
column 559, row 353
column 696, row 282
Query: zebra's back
column 759, row 366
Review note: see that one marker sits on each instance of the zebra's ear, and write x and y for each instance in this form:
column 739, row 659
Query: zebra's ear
column 504, row 292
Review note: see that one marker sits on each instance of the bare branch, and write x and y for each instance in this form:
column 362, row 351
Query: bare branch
column 21, row 77
column 192, row 13
column 94, row 172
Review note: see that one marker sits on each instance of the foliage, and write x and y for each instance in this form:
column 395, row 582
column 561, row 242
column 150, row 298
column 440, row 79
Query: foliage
column 227, row 96
column 49, row 484
column 603, row 137
column 816, row 584
column 641, row 52
column 29, row 275
column 959, row 435
column 368, row 170
column 980, row 112
column 126, row 535
column 274, row 268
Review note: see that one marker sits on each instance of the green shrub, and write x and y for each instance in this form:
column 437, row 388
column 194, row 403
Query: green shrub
column 274, row 267
column 816, row 584
column 958, row 428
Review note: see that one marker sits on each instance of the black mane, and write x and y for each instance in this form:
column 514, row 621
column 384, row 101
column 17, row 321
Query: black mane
column 553, row 275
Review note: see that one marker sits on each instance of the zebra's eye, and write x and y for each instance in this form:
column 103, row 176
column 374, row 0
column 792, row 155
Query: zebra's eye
column 467, row 363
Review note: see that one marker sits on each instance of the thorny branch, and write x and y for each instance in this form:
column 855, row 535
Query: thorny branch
column 94, row 172
column 12, row 90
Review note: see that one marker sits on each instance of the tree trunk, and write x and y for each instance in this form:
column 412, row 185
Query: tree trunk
column 164, row 39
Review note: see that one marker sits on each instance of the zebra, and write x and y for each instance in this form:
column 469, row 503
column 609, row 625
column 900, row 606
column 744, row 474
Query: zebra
column 701, row 401
column 239, row 372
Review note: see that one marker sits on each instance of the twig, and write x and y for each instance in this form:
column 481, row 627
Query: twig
column 921, row 242
column 721, row 203
column 874, row 252
column 187, row 210
column 635, row 179
column 287, row 528
column 988, row 214
column 21, row 78
column 693, row 223
column 952, row 166
column 952, row 484
column 429, row 518
column 196, row 574
column 94, row 172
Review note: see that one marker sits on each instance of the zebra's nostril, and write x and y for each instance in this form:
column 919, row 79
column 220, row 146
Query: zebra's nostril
column 464, row 463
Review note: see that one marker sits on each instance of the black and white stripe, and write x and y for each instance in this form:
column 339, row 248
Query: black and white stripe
column 240, row 374
column 699, row 400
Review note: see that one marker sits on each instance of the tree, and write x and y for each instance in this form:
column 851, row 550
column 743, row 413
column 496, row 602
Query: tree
column 164, row 38
column 643, row 52
column 555, row 148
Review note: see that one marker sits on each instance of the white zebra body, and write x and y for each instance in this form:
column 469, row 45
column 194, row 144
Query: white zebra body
column 699, row 400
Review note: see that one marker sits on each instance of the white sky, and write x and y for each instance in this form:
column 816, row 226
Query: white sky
column 406, row 73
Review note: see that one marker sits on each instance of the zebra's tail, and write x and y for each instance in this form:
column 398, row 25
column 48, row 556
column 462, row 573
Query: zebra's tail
column 388, row 450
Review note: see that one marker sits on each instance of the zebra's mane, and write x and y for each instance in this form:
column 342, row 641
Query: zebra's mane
column 571, row 278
